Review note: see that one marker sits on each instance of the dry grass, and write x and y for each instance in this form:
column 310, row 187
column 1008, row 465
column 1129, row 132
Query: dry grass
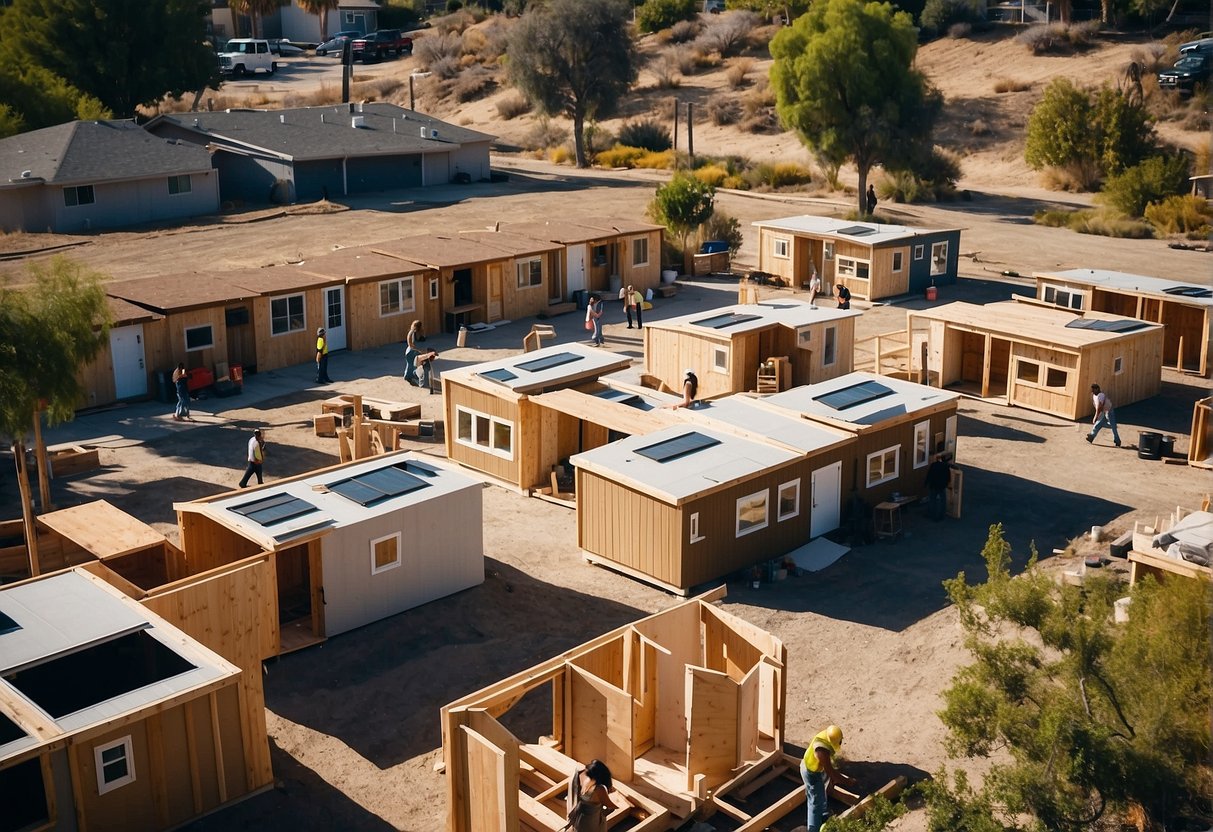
column 436, row 47
column 684, row 31
column 666, row 69
column 473, row 83
column 512, row 106
column 979, row 127
column 1004, row 85
column 545, row 134
column 737, row 72
column 723, row 109
column 729, row 33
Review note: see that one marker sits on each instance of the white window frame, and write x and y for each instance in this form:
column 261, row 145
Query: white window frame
column 898, row 261
column 400, row 309
column 851, row 267
column 1063, row 296
column 103, row 785
column 376, row 569
column 828, row 250
column 1118, row 365
column 794, row 485
column 473, row 440
column 640, row 244
column 433, row 288
column 781, row 247
column 76, row 190
column 180, row 179
column 895, row 452
column 922, row 444
column 695, row 535
column 526, row 275
column 829, row 346
column 302, row 317
column 939, row 258
column 919, row 251
column 765, row 494
column 185, row 334
column 717, row 354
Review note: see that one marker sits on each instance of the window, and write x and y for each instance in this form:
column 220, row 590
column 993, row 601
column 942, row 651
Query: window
column 598, row 256
column 939, row 258
column 829, row 251
column 385, row 553
column 789, row 500
column 433, row 283
column 779, row 248
column 484, row 433
column 530, row 272
column 395, row 297
column 918, row 252
column 1063, row 297
column 79, row 195
column 922, row 447
column 1028, row 371
column 897, row 261
column 640, row 251
column 830, row 352
column 115, row 764
column 286, row 315
column 752, row 513
column 1056, row 378
column 882, row 465
column 695, row 535
column 199, row 338
column 179, row 184
column 720, row 359
column 1118, row 365
column 850, row 267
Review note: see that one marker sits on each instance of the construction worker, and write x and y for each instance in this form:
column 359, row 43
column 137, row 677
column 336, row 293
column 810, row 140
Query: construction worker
column 322, row 358
column 819, row 774
column 256, row 456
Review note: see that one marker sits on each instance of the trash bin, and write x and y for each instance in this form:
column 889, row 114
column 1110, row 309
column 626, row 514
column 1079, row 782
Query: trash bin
column 1166, row 447
column 932, row 293
column 165, row 390
column 1149, row 445
column 582, row 298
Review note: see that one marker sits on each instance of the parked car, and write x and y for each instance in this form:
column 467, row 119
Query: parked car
column 378, row 45
column 1189, row 71
column 246, row 55
column 284, row 48
column 336, row 43
column 401, row 43
column 713, row 6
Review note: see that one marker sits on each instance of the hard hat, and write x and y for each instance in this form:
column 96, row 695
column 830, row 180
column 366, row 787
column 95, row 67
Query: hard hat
column 834, row 735
column 688, row 372
column 320, row 330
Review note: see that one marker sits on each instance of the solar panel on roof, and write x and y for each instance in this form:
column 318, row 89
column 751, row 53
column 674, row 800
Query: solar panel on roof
column 375, row 486
column 1189, row 291
column 7, row 624
column 723, row 321
column 678, row 446
column 538, row 365
column 501, row 375
column 1106, row 326
column 856, row 230
column 620, row 396
column 275, row 509
column 855, row 395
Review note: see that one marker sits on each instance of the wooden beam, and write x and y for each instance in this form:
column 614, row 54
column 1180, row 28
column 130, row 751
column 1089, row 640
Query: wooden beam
column 888, row 791
column 780, row 809
column 44, row 474
column 27, row 509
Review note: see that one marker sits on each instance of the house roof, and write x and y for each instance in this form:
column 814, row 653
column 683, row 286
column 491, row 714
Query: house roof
column 619, row 410
column 615, row 225
column 542, row 370
column 329, row 509
column 516, row 244
column 178, row 292
column 95, row 151
column 125, row 312
column 743, row 413
column 726, row 460
column 1032, row 323
column 308, row 133
column 360, row 263
column 754, row 317
column 897, row 400
column 558, row 231
column 441, row 251
column 868, row 233
column 274, row 280
column 1157, row 286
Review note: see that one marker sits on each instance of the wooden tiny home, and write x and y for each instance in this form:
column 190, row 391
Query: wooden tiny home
column 339, row 537
column 595, row 250
column 125, row 368
column 287, row 306
column 1036, row 357
column 873, row 260
column 1184, row 309
column 726, row 346
column 110, row 716
column 898, row 427
column 501, row 424
column 685, row 707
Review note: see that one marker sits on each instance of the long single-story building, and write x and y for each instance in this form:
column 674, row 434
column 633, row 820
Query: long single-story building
column 726, row 346
column 1035, row 357
column 1184, row 309
column 599, row 249
column 86, row 175
column 288, row 305
column 873, row 260
column 312, row 153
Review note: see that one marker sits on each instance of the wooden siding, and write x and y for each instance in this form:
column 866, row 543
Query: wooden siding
column 910, row 480
column 509, row 470
column 629, row 528
column 208, row 544
column 642, row 277
column 299, row 347
column 97, row 377
column 368, row 329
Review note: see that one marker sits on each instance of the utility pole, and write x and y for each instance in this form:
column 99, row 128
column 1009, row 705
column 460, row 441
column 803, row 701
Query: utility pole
column 676, row 122
column 691, row 130
column 347, row 66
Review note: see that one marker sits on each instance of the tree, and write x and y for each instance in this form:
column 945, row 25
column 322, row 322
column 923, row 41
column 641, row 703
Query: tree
column 682, row 205
column 255, row 10
column 655, row 15
column 844, row 81
column 574, row 58
column 321, row 9
column 36, row 98
column 790, row 9
column 122, row 53
column 1097, row 717
column 48, row 331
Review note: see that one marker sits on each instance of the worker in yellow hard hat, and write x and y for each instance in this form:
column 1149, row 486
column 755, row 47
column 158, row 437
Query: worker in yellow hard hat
column 819, row 774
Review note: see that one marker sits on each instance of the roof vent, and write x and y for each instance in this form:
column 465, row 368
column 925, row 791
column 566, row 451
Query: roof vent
column 351, row 106
column 195, row 122
column 282, row 118
column 425, row 133
column 358, row 121
column 26, row 174
column 433, row 134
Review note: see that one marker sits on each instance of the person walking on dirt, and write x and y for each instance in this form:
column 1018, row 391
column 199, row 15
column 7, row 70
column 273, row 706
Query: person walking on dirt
column 819, row 774
column 322, row 358
column 256, row 456
column 1105, row 416
column 633, row 301
column 871, row 200
column 181, row 383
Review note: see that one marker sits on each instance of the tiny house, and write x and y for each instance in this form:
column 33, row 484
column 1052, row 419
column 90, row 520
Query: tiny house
column 595, row 250
column 530, row 284
column 727, row 346
column 1185, row 310
column 1032, row 356
column 288, row 305
column 873, row 260
column 126, row 365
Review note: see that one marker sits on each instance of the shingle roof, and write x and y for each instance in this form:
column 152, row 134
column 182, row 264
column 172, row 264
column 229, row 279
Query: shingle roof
column 439, row 251
column 178, row 292
column 327, row 132
column 96, row 151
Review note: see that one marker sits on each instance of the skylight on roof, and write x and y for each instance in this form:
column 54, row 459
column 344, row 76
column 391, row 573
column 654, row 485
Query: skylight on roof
column 1106, row 326
column 620, row 396
column 678, row 446
column 724, row 321
column 856, row 230
column 7, row 624
column 503, row 375
column 855, row 395
column 538, row 365
column 376, row 486
column 276, row 509
column 1190, row 291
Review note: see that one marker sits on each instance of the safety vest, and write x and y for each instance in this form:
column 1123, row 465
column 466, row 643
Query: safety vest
column 322, row 346
column 258, row 455
column 810, row 756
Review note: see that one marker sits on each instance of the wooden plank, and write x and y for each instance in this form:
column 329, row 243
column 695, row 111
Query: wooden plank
column 775, row 812
column 492, row 804
column 155, row 761
column 535, row 814
column 889, row 791
column 102, row 529
column 711, row 719
column 600, row 722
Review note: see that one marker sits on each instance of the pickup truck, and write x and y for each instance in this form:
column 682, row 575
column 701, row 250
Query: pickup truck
column 242, row 56
column 380, row 44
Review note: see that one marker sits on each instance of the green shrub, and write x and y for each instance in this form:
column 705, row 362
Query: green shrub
column 931, row 178
column 649, row 134
column 1186, row 214
column 722, row 226
column 1111, row 225
column 939, row 15
column 1153, row 180
column 655, row 15
column 1056, row 217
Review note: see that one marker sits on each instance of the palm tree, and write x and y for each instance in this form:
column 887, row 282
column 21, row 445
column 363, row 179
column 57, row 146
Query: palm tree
column 255, row 9
column 321, row 9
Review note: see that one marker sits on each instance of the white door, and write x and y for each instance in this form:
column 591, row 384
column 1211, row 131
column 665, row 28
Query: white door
column 576, row 255
column 826, row 496
column 334, row 317
column 126, row 349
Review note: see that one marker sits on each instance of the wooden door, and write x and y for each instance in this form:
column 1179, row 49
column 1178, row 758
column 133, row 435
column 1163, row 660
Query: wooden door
column 599, row 722
column 494, row 305
column 492, row 794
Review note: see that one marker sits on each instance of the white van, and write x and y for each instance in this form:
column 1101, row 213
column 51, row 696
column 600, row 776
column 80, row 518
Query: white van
column 241, row 56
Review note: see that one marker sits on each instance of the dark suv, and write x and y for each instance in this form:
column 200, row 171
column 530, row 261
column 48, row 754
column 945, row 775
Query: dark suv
column 1192, row 68
column 378, row 45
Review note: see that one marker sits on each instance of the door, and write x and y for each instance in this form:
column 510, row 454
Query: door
column 555, row 284
column 126, row 349
column 494, row 307
column 825, row 492
column 576, row 256
column 599, row 717
column 334, row 317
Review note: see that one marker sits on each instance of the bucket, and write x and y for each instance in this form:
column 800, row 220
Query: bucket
column 462, row 339
column 668, row 276
column 1166, row 446
column 932, row 293
column 1149, row 445
column 1096, row 534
